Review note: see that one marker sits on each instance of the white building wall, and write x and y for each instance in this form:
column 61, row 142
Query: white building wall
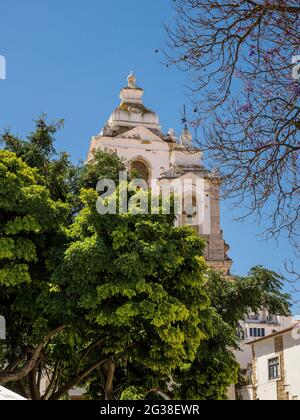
column 292, row 365
column 265, row 350
column 244, row 356
column 193, row 186
column 155, row 153
column 158, row 156
column 282, row 323
column 207, row 208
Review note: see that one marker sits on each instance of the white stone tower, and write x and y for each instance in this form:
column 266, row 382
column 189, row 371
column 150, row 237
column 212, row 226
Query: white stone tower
column 134, row 133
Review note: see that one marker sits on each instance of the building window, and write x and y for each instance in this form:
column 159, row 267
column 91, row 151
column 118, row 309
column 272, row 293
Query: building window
column 257, row 332
column 274, row 371
column 261, row 332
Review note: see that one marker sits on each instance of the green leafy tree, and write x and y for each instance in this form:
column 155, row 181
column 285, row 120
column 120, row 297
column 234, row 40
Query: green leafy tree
column 138, row 284
column 31, row 225
column 103, row 165
column 122, row 305
column 215, row 367
column 58, row 174
column 30, row 332
column 143, row 298
column 39, row 196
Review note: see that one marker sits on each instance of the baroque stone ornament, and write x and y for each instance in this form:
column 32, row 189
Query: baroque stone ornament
column 131, row 79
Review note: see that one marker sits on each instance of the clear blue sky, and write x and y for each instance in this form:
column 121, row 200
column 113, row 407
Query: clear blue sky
column 69, row 59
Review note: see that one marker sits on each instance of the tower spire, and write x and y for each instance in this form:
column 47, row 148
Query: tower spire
column 186, row 137
column 184, row 119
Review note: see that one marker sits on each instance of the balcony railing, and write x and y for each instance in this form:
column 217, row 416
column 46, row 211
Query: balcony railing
column 258, row 320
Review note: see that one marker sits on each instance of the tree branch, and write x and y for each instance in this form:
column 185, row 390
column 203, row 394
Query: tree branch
column 31, row 363
column 76, row 380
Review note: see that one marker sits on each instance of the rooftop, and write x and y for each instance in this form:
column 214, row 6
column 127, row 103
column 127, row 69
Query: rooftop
column 5, row 395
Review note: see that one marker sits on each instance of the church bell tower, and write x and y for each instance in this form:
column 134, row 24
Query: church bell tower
column 134, row 133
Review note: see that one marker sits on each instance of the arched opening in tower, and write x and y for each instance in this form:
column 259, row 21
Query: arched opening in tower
column 140, row 169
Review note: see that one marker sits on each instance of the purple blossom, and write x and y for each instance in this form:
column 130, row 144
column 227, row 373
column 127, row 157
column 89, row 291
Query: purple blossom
column 249, row 86
column 253, row 50
column 297, row 89
column 247, row 107
column 268, row 93
column 272, row 52
column 294, row 87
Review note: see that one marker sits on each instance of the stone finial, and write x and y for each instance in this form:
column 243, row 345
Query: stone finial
column 131, row 93
column 186, row 138
column 131, row 79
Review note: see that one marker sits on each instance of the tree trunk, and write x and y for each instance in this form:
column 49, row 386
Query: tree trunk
column 32, row 381
column 109, row 370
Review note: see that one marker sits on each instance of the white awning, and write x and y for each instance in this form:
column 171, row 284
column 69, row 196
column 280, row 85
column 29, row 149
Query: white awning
column 5, row 394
